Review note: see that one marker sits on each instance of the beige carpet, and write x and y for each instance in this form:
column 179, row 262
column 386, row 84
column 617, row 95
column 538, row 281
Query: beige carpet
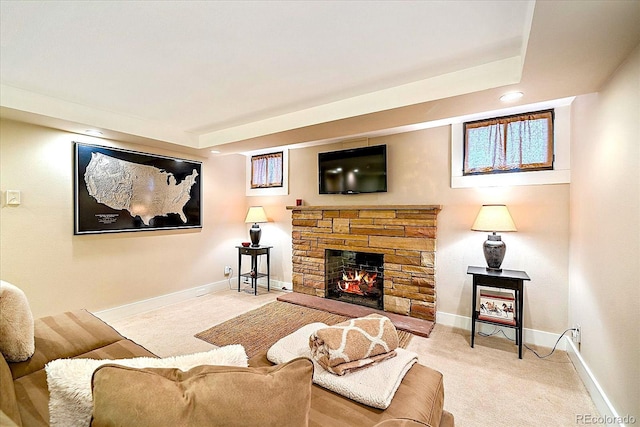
column 484, row 385
column 259, row 329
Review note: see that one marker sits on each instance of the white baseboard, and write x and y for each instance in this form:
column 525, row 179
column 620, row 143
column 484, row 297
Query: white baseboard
column 529, row 336
column 262, row 283
column 117, row 313
column 608, row 414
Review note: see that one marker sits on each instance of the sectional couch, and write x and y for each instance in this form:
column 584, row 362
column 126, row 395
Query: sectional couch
column 24, row 395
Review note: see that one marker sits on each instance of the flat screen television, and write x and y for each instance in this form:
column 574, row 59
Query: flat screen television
column 354, row 171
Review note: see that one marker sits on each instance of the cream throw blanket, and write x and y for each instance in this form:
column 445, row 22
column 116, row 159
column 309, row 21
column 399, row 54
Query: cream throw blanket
column 374, row 386
column 354, row 344
column 69, row 380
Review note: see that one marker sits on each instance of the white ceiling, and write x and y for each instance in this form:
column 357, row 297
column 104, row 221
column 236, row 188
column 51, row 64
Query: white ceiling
column 240, row 75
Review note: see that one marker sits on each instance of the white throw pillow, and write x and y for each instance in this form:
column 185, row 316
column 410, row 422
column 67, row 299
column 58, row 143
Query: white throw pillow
column 69, row 380
column 17, row 342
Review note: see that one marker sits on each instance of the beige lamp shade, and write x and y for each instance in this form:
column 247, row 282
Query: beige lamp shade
column 256, row 214
column 494, row 218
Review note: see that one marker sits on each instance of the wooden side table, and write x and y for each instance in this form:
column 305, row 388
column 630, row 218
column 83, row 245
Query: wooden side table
column 505, row 279
column 254, row 252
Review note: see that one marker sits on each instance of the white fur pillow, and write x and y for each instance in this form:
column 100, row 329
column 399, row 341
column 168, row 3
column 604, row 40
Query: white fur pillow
column 17, row 341
column 69, row 380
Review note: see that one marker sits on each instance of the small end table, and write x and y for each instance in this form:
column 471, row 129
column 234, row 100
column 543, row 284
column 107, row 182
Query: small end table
column 505, row 279
column 254, row 252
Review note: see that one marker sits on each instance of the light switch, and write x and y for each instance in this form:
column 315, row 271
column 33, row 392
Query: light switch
column 13, row 197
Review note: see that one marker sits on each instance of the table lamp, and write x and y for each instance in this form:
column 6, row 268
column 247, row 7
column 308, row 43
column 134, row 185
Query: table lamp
column 494, row 218
column 255, row 215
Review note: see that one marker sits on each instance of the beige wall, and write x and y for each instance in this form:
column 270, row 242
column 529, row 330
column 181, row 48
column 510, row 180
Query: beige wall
column 418, row 167
column 59, row 271
column 604, row 270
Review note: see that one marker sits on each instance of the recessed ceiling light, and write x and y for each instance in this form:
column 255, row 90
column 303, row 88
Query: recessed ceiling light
column 215, row 151
column 511, row 96
column 93, row 132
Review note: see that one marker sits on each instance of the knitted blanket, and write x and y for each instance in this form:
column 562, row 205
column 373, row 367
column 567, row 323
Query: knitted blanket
column 354, row 344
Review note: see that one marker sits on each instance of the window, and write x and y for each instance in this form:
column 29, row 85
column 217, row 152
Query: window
column 269, row 174
column 266, row 170
column 522, row 142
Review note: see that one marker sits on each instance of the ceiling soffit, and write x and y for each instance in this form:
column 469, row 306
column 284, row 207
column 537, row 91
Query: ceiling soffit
column 555, row 50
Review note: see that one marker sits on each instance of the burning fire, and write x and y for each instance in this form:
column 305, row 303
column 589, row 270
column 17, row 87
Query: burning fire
column 357, row 282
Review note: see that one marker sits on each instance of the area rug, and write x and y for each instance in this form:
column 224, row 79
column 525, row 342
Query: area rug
column 259, row 329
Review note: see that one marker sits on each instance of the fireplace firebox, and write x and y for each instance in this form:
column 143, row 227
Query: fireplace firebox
column 355, row 277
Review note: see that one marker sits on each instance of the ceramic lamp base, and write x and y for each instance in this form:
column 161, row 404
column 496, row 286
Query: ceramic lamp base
column 494, row 251
column 254, row 233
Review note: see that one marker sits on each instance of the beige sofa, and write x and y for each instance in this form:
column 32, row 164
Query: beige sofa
column 24, row 395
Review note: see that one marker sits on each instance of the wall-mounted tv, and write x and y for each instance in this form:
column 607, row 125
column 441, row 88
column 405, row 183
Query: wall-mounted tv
column 354, row 171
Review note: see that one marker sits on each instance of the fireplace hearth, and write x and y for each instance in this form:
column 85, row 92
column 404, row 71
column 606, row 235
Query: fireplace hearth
column 355, row 277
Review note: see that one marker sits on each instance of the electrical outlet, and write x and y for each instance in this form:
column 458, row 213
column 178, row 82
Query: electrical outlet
column 576, row 333
column 227, row 270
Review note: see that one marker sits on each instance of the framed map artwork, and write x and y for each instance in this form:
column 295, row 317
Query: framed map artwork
column 119, row 190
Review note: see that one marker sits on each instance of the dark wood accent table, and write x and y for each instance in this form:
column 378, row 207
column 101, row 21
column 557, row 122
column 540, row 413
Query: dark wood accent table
column 505, row 279
column 254, row 252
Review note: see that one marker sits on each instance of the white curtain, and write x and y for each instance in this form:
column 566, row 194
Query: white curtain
column 509, row 143
column 266, row 170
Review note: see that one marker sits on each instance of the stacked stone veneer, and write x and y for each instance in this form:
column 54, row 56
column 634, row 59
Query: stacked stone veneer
column 406, row 235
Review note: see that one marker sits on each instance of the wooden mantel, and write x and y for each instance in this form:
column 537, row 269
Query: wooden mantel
column 367, row 208
column 404, row 234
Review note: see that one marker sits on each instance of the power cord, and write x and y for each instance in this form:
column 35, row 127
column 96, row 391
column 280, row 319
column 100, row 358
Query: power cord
column 245, row 282
column 496, row 331
column 230, row 276
column 246, row 279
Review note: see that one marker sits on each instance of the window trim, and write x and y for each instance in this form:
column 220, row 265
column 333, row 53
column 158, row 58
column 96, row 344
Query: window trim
column 504, row 121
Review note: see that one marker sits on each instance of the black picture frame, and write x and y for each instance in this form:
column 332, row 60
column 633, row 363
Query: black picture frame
column 117, row 190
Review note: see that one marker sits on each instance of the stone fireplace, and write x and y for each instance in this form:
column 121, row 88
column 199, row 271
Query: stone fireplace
column 403, row 235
